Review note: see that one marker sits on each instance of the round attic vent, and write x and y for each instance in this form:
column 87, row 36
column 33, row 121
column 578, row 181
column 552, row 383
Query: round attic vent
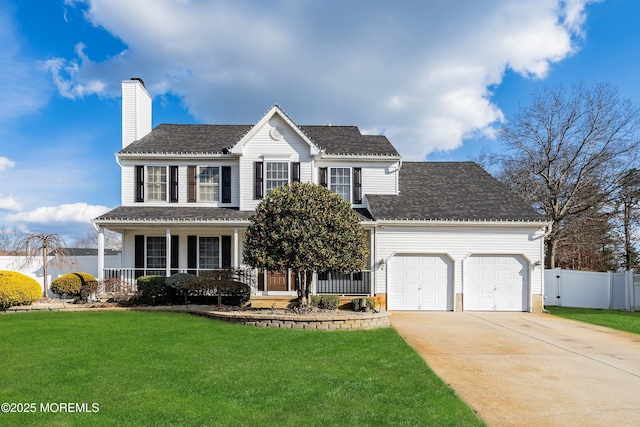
column 276, row 133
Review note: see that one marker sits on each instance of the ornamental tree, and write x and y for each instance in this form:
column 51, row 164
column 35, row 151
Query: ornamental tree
column 308, row 229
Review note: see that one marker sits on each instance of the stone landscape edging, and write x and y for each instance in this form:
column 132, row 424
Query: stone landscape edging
column 335, row 321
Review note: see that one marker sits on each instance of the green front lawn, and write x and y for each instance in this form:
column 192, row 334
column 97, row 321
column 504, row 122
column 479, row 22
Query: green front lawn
column 622, row 320
column 160, row 368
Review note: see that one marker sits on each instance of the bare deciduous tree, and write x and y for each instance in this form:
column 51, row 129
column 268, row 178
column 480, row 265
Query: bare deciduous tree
column 567, row 151
column 111, row 240
column 51, row 248
column 9, row 239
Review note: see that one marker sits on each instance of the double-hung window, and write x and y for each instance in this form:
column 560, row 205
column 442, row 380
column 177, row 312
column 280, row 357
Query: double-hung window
column 156, row 183
column 277, row 175
column 156, row 253
column 209, row 184
column 340, row 182
column 209, row 252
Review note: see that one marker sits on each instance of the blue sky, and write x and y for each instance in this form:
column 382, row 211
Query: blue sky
column 436, row 77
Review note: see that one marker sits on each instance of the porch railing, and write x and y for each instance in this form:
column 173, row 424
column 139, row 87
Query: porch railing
column 344, row 284
column 129, row 276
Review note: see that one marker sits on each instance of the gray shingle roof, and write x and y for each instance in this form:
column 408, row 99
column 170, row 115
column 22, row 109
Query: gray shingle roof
column 174, row 213
column 460, row 191
column 185, row 214
column 218, row 139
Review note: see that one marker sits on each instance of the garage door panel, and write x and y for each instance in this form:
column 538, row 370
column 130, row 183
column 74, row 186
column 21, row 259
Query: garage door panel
column 495, row 283
column 420, row 282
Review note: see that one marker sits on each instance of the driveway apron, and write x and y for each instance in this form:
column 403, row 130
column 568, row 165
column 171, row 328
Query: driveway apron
column 523, row 369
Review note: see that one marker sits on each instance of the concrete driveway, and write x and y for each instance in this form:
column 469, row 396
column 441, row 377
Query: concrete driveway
column 523, row 369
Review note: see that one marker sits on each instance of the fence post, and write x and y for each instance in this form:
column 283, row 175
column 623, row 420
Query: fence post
column 610, row 288
column 632, row 302
column 558, row 287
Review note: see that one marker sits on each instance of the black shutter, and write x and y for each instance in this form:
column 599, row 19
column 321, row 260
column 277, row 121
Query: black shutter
column 139, row 183
column 192, row 253
column 173, row 187
column 295, row 172
column 322, row 176
column 357, row 186
column 175, row 252
column 226, row 184
column 139, row 255
column 226, row 251
column 258, row 186
column 191, row 184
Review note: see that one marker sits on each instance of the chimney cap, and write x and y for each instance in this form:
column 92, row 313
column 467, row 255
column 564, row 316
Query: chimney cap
column 138, row 79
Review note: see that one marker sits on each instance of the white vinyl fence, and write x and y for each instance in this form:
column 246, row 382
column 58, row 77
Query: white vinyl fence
column 567, row 288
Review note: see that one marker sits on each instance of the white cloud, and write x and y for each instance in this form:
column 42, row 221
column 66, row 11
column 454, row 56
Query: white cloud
column 75, row 212
column 421, row 70
column 5, row 164
column 9, row 203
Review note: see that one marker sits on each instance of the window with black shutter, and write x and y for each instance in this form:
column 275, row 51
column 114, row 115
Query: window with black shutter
column 226, row 251
column 175, row 253
column 139, row 183
column 139, row 255
column 173, row 184
column 322, row 176
column 192, row 253
column 258, row 189
column 226, row 184
column 295, row 172
column 357, row 186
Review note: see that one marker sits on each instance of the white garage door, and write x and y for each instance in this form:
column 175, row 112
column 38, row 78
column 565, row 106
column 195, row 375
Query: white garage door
column 495, row 283
column 420, row 282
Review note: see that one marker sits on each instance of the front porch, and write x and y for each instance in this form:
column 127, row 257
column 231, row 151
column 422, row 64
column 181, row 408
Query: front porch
column 264, row 285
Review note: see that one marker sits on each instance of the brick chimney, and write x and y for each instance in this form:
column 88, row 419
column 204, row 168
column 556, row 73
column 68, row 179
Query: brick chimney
column 136, row 110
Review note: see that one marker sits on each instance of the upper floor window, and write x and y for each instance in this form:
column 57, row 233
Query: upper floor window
column 156, row 183
column 346, row 182
column 209, row 184
column 277, row 175
column 340, row 182
column 267, row 176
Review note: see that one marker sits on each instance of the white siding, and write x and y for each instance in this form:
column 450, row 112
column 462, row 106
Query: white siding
column 459, row 243
column 262, row 147
column 128, row 181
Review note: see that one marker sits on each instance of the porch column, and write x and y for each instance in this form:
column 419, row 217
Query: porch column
column 372, row 263
column 236, row 253
column 168, row 253
column 100, row 231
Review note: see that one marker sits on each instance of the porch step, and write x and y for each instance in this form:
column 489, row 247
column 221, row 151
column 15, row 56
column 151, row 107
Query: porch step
column 275, row 301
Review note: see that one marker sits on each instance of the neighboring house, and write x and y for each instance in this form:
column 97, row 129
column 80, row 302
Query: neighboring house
column 442, row 236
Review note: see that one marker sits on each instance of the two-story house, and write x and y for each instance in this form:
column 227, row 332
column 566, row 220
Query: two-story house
column 442, row 236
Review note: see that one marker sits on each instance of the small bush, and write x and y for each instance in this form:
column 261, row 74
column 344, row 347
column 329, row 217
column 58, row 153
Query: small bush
column 17, row 289
column 152, row 286
column 222, row 284
column 369, row 304
column 72, row 283
column 328, row 302
column 315, row 301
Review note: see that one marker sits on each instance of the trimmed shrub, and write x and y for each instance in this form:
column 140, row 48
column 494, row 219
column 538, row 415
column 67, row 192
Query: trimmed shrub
column 328, row 302
column 222, row 285
column 369, row 304
column 72, row 283
column 315, row 301
column 152, row 286
column 17, row 289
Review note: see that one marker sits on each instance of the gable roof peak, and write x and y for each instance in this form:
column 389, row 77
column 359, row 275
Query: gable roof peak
column 276, row 109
